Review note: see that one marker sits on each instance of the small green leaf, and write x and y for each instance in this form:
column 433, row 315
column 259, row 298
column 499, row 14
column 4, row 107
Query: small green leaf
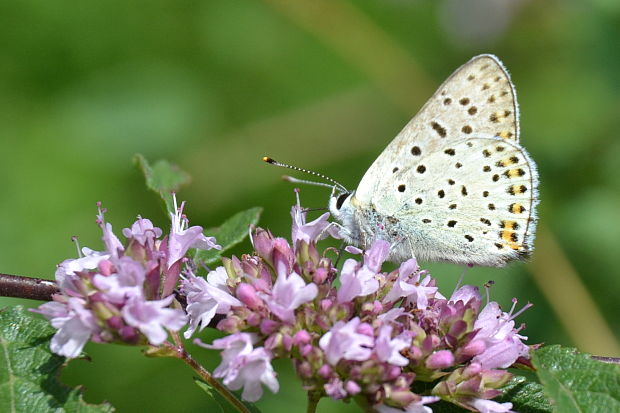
column 223, row 404
column 577, row 383
column 231, row 233
column 163, row 178
column 525, row 396
column 29, row 371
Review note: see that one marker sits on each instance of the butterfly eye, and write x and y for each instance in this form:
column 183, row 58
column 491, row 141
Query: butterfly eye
column 341, row 200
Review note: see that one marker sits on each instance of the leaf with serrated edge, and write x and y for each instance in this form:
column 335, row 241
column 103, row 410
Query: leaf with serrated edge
column 230, row 233
column 223, row 404
column 525, row 396
column 163, row 178
column 577, row 383
column 29, row 371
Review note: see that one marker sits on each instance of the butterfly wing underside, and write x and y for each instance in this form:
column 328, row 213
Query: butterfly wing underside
column 455, row 180
column 478, row 99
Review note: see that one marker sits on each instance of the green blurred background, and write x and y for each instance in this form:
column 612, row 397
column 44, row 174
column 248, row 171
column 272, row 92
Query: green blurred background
column 323, row 84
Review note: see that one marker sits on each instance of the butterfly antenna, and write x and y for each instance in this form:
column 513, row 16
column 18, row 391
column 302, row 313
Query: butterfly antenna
column 296, row 168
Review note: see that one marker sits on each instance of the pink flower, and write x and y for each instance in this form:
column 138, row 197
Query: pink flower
column 335, row 389
column 183, row 238
column 415, row 407
column 343, row 341
column 112, row 243
column 75, row 326
column 150, row 317
column 312, row 231
column 244, row 366
column 388, row 348
column 252, row 370
column 234, row 346
column 205, row 298
column 356, row 281
column 289, row 292
column 376, row 255
column 465, row 293
column 408, row 285
column 65, row 272
column 503, row 343
column 489, row 406
column 142, row 231
column 127, row 282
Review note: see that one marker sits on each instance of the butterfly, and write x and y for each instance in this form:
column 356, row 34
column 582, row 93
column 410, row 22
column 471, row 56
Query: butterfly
column 454, row 185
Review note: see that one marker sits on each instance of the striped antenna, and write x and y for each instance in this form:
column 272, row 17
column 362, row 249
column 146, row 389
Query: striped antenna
column 296, row 168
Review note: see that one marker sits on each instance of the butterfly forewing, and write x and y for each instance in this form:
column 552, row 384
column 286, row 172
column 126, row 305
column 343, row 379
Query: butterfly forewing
column 478, row 99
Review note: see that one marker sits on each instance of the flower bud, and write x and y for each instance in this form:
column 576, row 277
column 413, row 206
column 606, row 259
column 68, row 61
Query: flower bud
column 352, row 387
column 325, row 371
column 366, row 329
column 320, row 275
column 301, row 337
column 304, row 369
column 105, row 267
column 129, row 334
column 115, row 322
column 247, row 295
column 268, row 326
column 473, row 348
column 440, row 360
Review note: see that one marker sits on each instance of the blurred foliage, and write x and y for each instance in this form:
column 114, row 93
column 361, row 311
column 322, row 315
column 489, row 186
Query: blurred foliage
column 215, row 85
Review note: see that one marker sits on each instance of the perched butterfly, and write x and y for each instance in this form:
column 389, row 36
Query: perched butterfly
column 454, row 185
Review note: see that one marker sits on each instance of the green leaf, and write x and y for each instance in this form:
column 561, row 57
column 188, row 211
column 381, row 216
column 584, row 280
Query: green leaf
column 224, row 405
column 29, row 371
column 163, row 178
column 229, row 234
column 577, row 383
column 525, row 396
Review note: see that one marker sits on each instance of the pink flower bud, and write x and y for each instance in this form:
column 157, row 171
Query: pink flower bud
column 366, row 329
column 274, row 341
column 301, row 337
column 325, row 371
column 247, row 295
column 287, row 342
column 352, row 387
column 320, row 275
column 115, row 322
column 326, row 304
column 472, row 370
column 305, row 350
column 129, row 334
column 253, row 319
column 268, row 327
column 229, row 325
column 403, row 397
column 305, row 370
column 473, row 348
column 105, row 267
column 440, row 360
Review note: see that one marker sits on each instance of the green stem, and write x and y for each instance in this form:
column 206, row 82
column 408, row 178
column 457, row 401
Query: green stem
column 207, row 377
column 313, row 401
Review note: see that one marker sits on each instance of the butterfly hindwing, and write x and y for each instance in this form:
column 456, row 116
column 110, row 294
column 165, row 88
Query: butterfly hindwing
column 471, row 203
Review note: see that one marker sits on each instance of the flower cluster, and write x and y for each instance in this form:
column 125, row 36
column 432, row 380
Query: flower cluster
column 387, row 339
column 123, row 294
column 355, row 333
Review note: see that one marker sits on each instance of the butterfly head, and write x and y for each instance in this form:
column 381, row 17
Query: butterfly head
column 343, row 207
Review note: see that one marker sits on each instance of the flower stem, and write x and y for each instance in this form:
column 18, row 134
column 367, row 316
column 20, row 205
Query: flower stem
column 207, row 377
column 27, row 287
column 313, row 401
